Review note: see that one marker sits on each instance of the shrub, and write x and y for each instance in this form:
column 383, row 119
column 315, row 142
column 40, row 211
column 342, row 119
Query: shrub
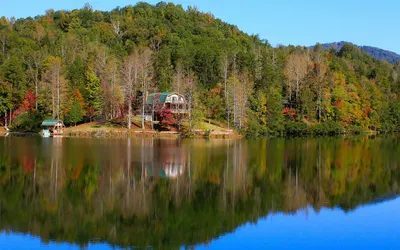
column 327, row 128
column 296, row 128
column 27, row 122
column 355, row 129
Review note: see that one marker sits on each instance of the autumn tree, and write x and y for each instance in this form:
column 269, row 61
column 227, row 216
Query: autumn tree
column 296, row 69
column 5, row 31
column 130, row 75
column 13, row 74
column 146, row 70
column 319, row 70
column 5, row 100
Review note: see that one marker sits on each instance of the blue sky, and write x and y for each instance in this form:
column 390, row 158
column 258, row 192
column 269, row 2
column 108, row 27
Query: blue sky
column 364, row 22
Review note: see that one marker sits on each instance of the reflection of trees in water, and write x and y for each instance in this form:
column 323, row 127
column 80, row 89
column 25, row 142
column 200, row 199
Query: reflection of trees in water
column 176, row 192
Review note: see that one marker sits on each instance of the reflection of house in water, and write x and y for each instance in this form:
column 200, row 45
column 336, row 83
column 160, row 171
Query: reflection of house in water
column 168, row 171
column 170, row 161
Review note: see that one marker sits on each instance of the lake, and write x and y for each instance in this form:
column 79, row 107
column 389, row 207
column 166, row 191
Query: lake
column 294, row 193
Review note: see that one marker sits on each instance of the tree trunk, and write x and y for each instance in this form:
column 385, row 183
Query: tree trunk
column 143, row 127
column 36, row 90
column 129, row 111
column 58, row 95
column 152, row 116
column 319, row 102
column 143, row 103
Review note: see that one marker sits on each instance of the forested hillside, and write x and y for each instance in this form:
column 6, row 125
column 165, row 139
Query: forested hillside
column 376, row 53
column 84, row 65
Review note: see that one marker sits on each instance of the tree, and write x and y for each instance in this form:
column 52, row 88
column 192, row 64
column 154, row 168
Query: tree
column 275, row 119
column 168, row 120
column 5, row 30
column 54, row 84
column 94, row 93
column 113, row 95
column 146, row 74
column 214, row 103
column 163, row 69
column 5, row 100
column 296, row 70
column 34, row 62
column 189, row 92
column 74, row 115
column 130, row 74
column 320, row 69
column 12, row 73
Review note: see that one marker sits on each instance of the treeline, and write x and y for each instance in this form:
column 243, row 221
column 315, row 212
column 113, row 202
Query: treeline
column 85, row 65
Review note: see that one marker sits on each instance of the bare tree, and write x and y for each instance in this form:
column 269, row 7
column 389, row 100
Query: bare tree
column 146, row 75
column 115, row 97
column 225, row 67
column 156, row 107
column 130, row 73
column 54, row 84
column 320, row 72
column 188, row 92
column 34, row 63
column 296, row 70
column 116, row 24
column 178, row 82
column 5, row 28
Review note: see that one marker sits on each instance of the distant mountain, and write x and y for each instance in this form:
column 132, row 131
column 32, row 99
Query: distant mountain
column 377, row 53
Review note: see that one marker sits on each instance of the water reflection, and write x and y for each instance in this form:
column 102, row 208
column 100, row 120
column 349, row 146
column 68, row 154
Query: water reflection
column 174, row 193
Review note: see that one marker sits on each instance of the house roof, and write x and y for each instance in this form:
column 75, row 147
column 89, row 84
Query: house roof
column 162, row 97
column 49, row 123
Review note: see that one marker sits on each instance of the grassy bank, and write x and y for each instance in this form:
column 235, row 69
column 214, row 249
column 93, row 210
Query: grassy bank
column 108, row 129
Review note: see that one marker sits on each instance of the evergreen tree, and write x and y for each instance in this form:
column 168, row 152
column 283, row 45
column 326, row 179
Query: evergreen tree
column 94, row 94
column 74, row 115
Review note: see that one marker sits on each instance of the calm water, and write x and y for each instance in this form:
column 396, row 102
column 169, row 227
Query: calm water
column 326, row 193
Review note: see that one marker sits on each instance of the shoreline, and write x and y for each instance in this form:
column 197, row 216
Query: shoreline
column 110, row 132
column 114, row 133
column 125, row 133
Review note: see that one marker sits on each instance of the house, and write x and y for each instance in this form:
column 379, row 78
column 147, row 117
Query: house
column 53, row 127
column 156, row 102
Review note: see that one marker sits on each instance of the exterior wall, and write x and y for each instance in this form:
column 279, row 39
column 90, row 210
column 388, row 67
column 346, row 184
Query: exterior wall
column 174, row 98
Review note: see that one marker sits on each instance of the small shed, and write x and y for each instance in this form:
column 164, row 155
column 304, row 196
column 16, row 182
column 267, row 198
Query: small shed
column 56, row 127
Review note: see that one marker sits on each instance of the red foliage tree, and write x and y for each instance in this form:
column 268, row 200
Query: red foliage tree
column 91, row 113
column 338, row 103
column 168, row 120
column 27, row 105
column 289, row 113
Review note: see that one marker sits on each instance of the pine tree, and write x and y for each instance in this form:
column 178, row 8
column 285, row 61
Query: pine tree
column 94, row 93
column 74, row 115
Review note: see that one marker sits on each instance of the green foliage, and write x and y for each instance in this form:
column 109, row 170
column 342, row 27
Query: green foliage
column 275, row 119
column 5, row 98
column 163, row 69
column 254, row 128
column 94, row 92
column 12, row 73
column 27, row 122
column 238, row 79
column 74, row 115
column 327, row 128
column 296, row 128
